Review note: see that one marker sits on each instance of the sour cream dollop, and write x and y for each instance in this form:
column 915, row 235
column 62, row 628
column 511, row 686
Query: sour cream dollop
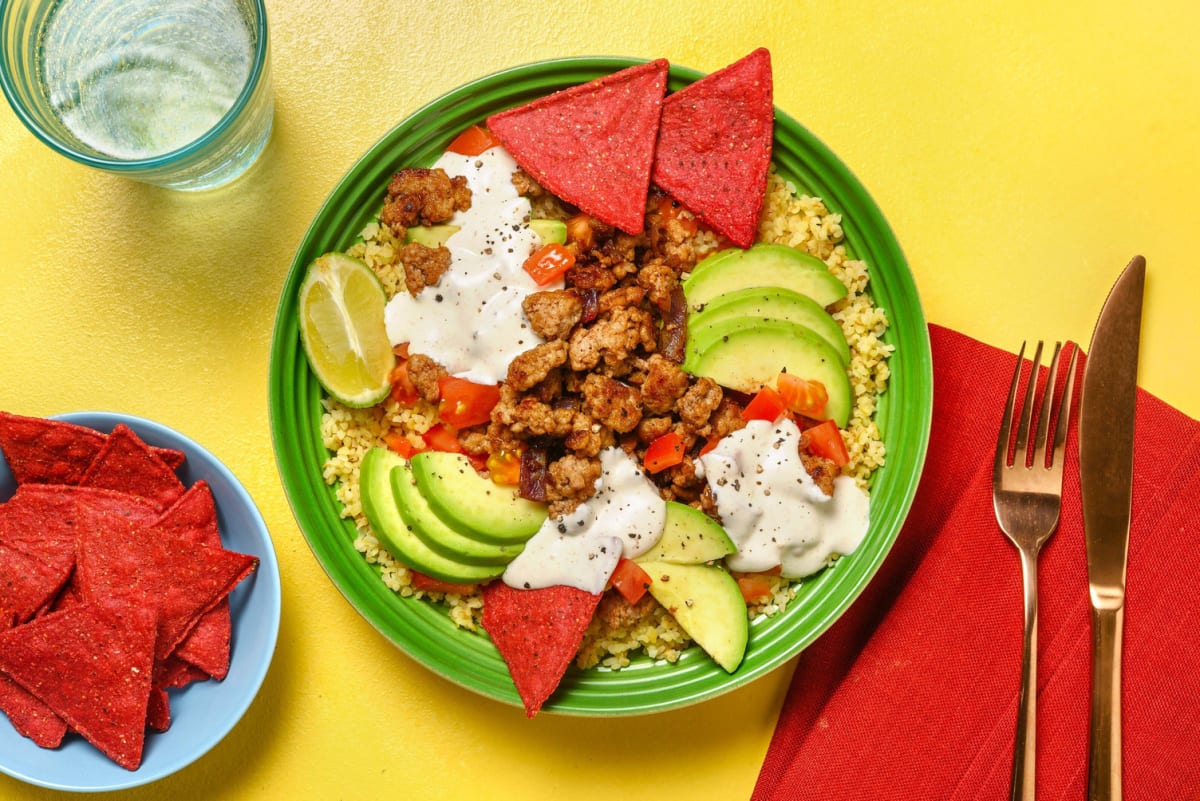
column 772, row 509
column 472, row 322
column 625, row 517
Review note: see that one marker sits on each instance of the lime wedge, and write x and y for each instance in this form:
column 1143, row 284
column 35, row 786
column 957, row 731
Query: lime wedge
column 342, row 327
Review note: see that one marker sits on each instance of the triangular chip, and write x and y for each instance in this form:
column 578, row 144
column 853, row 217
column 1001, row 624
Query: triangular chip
column 29, row 716
column 70, row 659
column 44, row 451
column 158, row 712
column 194, row 518
column 27, row 584
column 538, row 632
column 593, row 144
column 179, row 580
column 714, row 146
column 127, row 464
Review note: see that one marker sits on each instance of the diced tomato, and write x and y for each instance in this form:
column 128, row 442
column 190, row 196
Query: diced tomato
column 756, row 587
column 401, row 350
column 580, row 231
column 803, row 396
column 400, row 444
column 403, row 390
column 464, row 403
column 663, row 452
column 826, row 440
column 766, row 405
column 549, row 262
column 504, row 467
column 420, row 581
column 441, row 437
column 630, row 580
column 709, row 445
column 670, row 210
column 472, row 142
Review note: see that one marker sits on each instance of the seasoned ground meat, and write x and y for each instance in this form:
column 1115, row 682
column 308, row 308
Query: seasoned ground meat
column 423, row 266
column 823, row 471
column 615, row 405
column 590, row 276
column 665, row 383
column 659, row 281
column 589, row 438
column 526, row 186
column 620, row 297
column 424, row 373
column 651, row 428
column 612, row 340
column 698, row 403
column 726, row 419
column 421, row 196
column 532, row 366
column 617, row 613
column 572, row 478
column 530, row 417
column 553, row 313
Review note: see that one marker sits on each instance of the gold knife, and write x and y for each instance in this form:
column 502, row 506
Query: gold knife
column 1106, row 422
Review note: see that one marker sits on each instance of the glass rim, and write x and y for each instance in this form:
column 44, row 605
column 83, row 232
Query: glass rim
column 110, row 164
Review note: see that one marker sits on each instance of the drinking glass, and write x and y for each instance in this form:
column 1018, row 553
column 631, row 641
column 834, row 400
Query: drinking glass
column 171, row 92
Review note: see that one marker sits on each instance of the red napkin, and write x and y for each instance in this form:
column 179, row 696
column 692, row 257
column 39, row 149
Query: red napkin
column 912, row 694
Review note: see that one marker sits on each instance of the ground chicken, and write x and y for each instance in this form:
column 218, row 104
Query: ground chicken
column 533, row 366
column 612, row 403
column 422, row 196
column 424, row 373
column 423, row 266
column 698, row 403
column 553, row 313
column 613, row 340
column 665, row 383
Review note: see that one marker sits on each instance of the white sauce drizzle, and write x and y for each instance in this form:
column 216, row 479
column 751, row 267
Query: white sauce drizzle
column 771, row 508
column 472, row 322
column 625, row 517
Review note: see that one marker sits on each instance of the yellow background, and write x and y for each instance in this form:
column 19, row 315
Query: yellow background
column 1022, row 152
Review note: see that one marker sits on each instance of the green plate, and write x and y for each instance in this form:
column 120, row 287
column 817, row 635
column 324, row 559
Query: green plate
column 424, row 631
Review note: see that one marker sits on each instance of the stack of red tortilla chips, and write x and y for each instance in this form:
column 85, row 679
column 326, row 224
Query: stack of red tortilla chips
column 113, row 585
column 599, row 145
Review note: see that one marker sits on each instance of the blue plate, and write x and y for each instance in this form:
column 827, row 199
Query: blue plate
column 203, row 712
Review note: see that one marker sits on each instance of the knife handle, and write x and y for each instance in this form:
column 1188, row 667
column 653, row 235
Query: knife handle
column 1104, row 758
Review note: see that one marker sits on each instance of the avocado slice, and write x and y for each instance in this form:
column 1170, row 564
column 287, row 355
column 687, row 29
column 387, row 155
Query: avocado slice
column 439, row 536
column 746, row 358
column 473, row 505
column 395, row 533
column 767, row 303
column 550, row 231
column 689, row 537
column 762, row 265
column 431, row 235
column 707, row 604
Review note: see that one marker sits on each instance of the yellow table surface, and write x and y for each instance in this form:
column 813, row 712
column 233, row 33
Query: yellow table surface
column 1022, row 152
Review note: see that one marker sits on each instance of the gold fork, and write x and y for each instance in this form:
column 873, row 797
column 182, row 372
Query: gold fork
column 1027, row 496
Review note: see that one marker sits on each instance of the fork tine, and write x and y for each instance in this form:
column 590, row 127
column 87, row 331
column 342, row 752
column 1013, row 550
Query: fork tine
column 1020, row 452
column 1064, row 412
column 1006, row 419
column 1047, row 405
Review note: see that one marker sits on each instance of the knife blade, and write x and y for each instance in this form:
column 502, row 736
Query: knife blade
column 1106, row 444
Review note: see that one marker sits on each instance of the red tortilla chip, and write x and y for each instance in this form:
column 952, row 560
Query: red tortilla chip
column 70, row 659
column 158, row 711
column 179, row 580
column 44, row 451
column 194, row 518
column 592, row 145
column 176, row 673
column 127, row 464
column 538, row 633
column 714, row 146
column 47, row 451
column 29, row 716
column 29, row 585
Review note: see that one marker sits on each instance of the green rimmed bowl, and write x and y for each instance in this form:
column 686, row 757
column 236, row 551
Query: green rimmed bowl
column 423, row 630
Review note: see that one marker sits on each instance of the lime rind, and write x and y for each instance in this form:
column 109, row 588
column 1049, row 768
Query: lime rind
column 343, row 331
